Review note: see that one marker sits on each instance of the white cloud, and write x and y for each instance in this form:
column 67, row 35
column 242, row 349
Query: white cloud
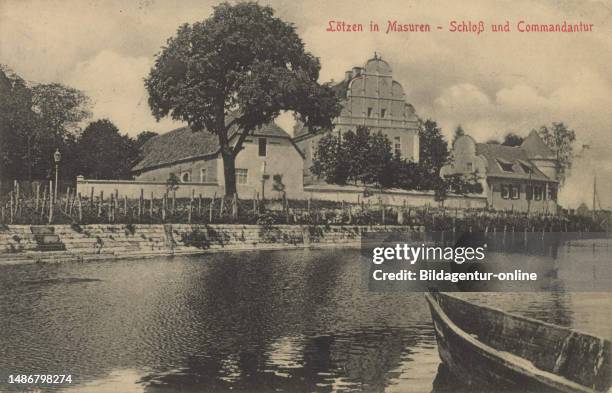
column 115, row 85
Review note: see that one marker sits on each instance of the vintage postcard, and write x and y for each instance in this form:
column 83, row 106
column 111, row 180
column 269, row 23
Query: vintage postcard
column 305, row 196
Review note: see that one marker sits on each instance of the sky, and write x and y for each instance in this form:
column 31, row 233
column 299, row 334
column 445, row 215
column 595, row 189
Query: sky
column 489, row 83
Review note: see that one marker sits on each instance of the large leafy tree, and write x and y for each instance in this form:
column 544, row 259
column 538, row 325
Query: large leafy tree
column 560, row 139
column 60, row 110
column 357, row 157
column 104, row 153
column 234, row 72
column 18, row 126
column 433, row 148
column 35, row 120
column 330, row 160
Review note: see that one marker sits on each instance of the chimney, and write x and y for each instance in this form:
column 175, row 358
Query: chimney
column 356, row 71
column 348, row 75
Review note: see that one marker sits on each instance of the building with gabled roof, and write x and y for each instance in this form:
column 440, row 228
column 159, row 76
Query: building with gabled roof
column 369, row 97
column 195, row 159
column 519, row 178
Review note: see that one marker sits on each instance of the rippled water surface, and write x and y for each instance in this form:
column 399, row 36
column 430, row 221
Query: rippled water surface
column 296, row 321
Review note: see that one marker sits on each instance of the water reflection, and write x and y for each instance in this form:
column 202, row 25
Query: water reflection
column 296, row 321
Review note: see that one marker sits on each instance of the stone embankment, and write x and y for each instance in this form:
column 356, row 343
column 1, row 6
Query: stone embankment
column 60, row 243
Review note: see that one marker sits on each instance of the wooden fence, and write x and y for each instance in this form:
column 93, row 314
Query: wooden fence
column 41, row 206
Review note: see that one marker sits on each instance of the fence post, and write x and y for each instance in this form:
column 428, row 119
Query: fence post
column 17, row 207
column 200, row 205
column 67, row 198
column 80, row 205
column 190, row 205
column 37, row 196
column 151, row 206
column 173, row 202
column 11, row 207
column 140, row 202
column 50, row 202
column 210, row 208
column 110, row 207
column 116, row 205
column 91, row 199
column 71, row 202
column 125, row 208
column 100, row 202
column 221, row 206
column 164, row 201
column 235, row 207
column 42, row 205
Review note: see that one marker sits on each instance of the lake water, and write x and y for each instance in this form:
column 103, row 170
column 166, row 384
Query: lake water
column 294, row 321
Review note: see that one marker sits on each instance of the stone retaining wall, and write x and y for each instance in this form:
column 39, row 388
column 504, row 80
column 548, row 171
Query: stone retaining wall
column 19, row 244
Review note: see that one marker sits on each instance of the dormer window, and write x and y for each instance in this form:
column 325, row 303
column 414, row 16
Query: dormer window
column 506, row 166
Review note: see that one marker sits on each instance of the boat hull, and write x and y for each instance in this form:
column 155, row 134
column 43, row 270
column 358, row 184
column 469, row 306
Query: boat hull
column 484, row 368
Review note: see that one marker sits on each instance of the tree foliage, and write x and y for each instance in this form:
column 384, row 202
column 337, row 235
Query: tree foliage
column 36, row 120
column 104, row 153
column 144, row 137
column 512, row 139
column 357, row 157
column 561, row 140
column 366, row 159
column 433, row 148
column 236, row 71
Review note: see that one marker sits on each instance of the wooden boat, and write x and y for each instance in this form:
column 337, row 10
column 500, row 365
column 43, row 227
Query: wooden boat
column 492, row 350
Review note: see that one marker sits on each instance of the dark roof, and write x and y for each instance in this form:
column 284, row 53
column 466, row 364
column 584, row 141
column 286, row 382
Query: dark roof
column 341, row 88
column 535, row 146
column 183, row 144
column 514, row 158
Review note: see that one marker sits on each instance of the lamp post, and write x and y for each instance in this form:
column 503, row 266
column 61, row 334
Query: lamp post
column 57, row 156
column 264, row 177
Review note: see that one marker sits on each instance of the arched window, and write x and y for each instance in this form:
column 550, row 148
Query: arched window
column 185, row 177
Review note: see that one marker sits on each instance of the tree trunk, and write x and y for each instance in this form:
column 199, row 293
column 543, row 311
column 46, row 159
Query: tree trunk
column 229, row 171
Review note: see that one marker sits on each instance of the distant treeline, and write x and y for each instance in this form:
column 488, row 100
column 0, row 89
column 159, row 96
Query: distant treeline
column 36, row 120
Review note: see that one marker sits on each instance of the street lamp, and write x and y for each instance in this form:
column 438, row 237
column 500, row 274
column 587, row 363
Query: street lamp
column 57, row 156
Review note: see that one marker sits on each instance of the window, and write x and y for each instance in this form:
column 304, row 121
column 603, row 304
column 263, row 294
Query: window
column 509, row 191
column 203, row 175
column 369, row 112
column 469, row 167
column 537, row 193
column 185, row 177
column 263, row 146
column 383, row 112
column 241, row 176
column 398, row 146
column 552, row 193
column 505, row 191
column 515, row 192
